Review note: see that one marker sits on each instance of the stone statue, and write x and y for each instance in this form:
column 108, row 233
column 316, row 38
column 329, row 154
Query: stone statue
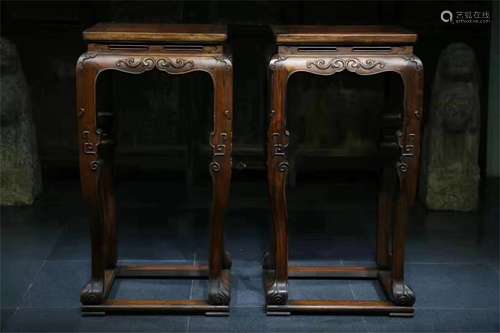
column 451, row 175
column 20, row 179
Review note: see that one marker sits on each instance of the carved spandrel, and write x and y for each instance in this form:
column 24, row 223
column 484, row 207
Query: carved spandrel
column 355, row 65
column 179, row 64
column 140, row 64
column 143, row 64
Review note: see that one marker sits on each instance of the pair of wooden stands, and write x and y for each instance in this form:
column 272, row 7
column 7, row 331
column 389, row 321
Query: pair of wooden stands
column 180, row 49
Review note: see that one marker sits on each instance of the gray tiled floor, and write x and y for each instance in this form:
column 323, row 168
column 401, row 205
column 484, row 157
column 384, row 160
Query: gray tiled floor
column 452, row 260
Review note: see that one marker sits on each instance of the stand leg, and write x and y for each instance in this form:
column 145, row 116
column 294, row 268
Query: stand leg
column 220, row 170
column 277, row 166
column 400, row 293
column 90, row 162
column 407, row 172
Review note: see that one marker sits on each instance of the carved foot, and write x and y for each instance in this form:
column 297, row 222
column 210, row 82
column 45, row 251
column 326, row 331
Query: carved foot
column 402, row 295
column 219, row 291
column 92, row 293
column 267, row 262
column 277, row 293
column 227, row 262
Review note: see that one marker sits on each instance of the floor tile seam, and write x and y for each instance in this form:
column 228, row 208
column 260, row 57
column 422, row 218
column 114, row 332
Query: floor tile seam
column 188, row 321
column 30, row 285
column 363, row 320
column 409, row 262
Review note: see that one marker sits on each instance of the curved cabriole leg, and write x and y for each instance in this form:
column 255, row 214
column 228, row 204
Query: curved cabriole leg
column 96, row 165
column 89, row 139
column 407, row 174
column 220, row 170
column 277, row 168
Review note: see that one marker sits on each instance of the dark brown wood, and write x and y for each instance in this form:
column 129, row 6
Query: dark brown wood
column 339, row 272
column 342, row 35
column 113, row 52
column 385, row 49
column 341, row 307
column 151, row 32
column 163, row 271
column 156, row 306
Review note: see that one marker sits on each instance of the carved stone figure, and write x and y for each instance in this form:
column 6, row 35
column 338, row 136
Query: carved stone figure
column 20, row 180
column 451, row 178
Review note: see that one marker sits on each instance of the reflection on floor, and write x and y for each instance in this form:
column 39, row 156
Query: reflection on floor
column 452, row 259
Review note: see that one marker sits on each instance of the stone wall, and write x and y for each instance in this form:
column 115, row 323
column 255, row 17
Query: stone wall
column 20, row 178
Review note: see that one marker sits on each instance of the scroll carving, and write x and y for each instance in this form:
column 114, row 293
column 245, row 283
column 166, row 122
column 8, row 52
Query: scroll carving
column 280, row 143
column 224, row 61
column 402, row 295
column 416, row 61
column 178, row 64
column 94, row 165
column 218, row 292
column 218, row 149
column 277, row 293
column 283, row 166
column 354, row 65
column 90, row 148
column 407, row 148
column 140, row 65
column 275, row 62
column 214, row 166
column 85, row 57
column 145, row 64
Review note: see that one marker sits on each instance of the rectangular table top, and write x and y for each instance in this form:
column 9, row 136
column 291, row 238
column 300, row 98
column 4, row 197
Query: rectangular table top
column 343, row 35
column 156, row 32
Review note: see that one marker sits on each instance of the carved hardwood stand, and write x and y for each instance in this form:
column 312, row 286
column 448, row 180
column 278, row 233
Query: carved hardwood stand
column 135, row 49
column 362, row 50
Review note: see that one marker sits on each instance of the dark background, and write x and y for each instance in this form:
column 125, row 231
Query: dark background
column 452, row 258
column 159, row 117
